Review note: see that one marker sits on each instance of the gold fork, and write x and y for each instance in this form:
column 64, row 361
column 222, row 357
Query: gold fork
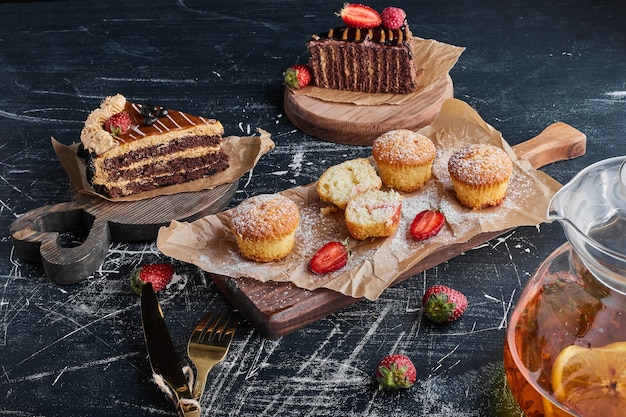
column 208, row 345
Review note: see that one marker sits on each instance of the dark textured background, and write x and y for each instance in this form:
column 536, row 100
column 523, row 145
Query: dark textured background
column 79, row 350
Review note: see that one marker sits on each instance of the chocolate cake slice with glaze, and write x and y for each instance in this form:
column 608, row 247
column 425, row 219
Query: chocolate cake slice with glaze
column 132, row 148
column 376, row 60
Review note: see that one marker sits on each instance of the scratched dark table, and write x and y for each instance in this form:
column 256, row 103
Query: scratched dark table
column 78, row 350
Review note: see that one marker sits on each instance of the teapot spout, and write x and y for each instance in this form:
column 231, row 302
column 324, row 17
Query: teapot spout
column 559, row 203
column 592, row 211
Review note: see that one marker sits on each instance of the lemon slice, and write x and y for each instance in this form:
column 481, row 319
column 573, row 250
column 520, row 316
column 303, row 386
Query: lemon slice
column 591, row 381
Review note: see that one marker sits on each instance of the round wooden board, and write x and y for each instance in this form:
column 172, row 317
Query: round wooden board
column 353, row 124
column 37, row 235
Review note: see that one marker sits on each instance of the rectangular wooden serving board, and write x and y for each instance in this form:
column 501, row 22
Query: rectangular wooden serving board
column 276, row 308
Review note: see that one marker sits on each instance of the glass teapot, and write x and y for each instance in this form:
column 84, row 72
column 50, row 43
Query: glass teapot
column 565, row 347
column 592, row 210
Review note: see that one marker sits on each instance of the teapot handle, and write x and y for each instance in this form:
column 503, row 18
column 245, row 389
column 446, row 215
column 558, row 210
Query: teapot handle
column 557, row 142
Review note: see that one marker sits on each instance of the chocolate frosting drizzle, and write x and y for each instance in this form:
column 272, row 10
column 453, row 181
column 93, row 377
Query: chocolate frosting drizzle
column 391, row 37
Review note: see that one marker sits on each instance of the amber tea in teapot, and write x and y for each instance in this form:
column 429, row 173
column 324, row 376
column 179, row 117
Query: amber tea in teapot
column 565, row 348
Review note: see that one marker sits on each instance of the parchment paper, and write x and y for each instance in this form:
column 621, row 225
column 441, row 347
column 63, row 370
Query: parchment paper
column 374, row 264
column 244, row 153
column 433, row 61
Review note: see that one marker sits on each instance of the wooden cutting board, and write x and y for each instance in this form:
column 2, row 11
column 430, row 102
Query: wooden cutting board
column 71, row 239
column 276, row 309
column 350, row 124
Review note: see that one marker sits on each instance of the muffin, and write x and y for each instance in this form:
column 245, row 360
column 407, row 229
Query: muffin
column 374, row 213
column 480, row 174
column 405, row 159
column 265, row 227
column 339, row 183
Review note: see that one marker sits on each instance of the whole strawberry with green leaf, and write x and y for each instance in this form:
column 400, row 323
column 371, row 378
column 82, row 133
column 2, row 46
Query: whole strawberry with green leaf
column 298, row 76
column 443, row 304
column 158, row 274
column 395, row 372
column 119, row 123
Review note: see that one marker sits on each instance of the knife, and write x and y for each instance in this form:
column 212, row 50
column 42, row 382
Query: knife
column 163, row 358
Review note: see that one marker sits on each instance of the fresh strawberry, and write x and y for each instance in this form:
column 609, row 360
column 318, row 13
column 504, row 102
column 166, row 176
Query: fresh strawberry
column 427, row 224
column 359, row 16
column 118, row 123
column 331, row 257
column 158, row 274
column 393, row 17
column 395, row 371
column 298, row 76
column 442, row 304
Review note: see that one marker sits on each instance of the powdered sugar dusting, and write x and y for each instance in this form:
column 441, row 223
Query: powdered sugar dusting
column 403, row 147
column 374, row 263
column 480, row 164
column 265, row 216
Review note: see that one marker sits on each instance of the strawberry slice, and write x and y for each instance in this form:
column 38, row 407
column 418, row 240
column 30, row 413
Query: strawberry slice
column 331, row 257
column 427, row 224
column 360, row 16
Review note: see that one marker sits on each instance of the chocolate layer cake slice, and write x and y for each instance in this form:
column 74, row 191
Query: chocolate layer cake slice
column 376, row 60
column 131, row 148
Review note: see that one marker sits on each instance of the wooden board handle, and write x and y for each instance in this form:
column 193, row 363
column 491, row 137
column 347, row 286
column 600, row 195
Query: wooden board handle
column 557, row 142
